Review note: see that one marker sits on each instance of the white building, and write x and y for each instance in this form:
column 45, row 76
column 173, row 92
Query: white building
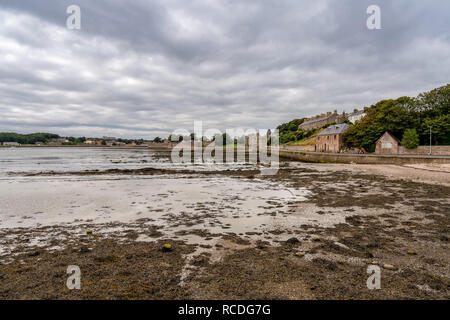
column 356, row 115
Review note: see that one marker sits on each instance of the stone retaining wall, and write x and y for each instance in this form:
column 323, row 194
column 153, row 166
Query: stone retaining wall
column 425, row 150
column 300, row 148
column 362, row 159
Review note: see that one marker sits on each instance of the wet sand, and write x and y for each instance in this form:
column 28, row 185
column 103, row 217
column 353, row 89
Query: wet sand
column 428, row 173
column 307, row 233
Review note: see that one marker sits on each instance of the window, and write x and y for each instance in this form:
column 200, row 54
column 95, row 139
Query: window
column 334, row 137
column 386, row 144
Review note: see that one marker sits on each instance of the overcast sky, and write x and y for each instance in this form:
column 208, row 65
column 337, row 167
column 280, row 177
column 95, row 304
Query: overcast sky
column 144, row 68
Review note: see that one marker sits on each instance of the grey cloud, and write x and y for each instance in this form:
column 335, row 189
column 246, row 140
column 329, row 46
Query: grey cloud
column 148, row 67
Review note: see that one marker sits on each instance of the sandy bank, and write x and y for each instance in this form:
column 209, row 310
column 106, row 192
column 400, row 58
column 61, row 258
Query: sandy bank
column 426, row 173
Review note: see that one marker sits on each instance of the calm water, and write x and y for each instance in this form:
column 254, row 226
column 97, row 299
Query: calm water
column 75, row 159
column 16, row 160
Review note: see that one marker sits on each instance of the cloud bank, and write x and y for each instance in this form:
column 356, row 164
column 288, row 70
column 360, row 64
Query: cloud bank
column 146, row 68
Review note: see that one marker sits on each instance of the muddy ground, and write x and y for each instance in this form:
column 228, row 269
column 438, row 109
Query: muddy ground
column 400, row 225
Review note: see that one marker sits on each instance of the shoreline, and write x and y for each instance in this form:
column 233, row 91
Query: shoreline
column 425, row 173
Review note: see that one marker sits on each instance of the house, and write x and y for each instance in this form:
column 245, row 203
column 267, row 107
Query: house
column 356, row 115
column 387, row 144
column 329, row 118
column 58, row 141
column 11, row 144
column 330, row 139
column 39, row 143
column 320, row 121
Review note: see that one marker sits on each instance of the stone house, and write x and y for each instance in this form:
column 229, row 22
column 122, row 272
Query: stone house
column 387, row 144
column 330, row 139
column 320, row 121
column 58, row 141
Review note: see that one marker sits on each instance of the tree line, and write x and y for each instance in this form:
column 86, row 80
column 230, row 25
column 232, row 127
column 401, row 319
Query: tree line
column 31, row 138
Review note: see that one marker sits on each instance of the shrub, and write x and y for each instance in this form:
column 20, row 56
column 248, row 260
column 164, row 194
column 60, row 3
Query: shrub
column 410, row 139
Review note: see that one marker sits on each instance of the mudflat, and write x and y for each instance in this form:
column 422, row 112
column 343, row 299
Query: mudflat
column 309, row 232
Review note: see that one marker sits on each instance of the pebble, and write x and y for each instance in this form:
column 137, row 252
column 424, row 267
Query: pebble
column 300, row 254
column 84, row 249
column 89, row 231
column 412, row 252
column 292, row 240
column 389, row 267
column 34, row 253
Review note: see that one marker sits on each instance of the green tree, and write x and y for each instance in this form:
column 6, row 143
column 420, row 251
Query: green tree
column 410, row 139
column 433, row 109
column 287, row 137
column 291, row 126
